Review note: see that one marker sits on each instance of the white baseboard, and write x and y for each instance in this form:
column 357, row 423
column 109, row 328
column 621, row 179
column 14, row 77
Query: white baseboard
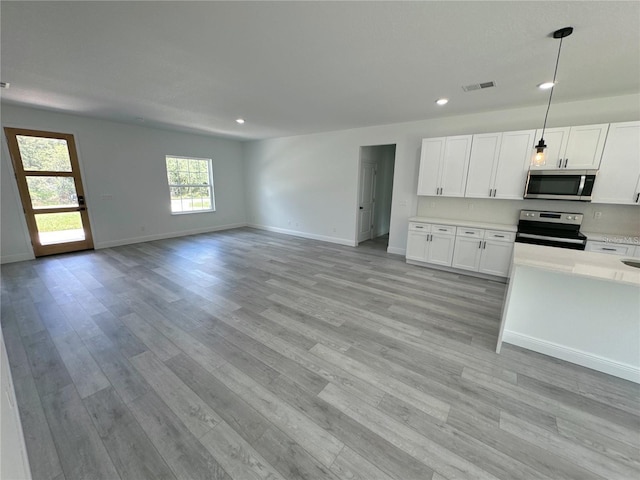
column 312, row 236
column 20, row 257
column 595, row 362
column 397, row 251
column 162, row 236
column 459, row 271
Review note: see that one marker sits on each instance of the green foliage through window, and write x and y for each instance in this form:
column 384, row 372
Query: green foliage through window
column 190, row 184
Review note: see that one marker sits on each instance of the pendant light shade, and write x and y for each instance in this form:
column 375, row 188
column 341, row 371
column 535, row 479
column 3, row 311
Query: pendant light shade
column 539, row 159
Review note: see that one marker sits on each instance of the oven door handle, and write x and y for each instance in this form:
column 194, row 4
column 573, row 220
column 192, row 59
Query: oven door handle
column 555, row 239
column 583, row 179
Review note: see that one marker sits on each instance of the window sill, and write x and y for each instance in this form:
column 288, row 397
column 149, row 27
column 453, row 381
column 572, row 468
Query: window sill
column 194, row 211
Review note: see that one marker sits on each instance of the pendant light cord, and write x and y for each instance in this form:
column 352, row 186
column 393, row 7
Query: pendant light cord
column 555, row 72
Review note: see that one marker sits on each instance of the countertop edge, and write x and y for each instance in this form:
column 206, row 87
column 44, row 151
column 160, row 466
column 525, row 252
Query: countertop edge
column 465, row 223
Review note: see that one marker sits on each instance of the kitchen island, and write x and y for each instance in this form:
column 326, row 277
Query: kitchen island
column 579, row 306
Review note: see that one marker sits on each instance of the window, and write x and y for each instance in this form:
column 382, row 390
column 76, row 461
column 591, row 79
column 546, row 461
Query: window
column 190, row 184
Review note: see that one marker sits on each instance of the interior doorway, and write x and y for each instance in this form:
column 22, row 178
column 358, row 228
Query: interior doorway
column 375, row 190
column 51, row 191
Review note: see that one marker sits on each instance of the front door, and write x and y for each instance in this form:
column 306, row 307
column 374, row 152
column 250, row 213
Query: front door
column 48, row 176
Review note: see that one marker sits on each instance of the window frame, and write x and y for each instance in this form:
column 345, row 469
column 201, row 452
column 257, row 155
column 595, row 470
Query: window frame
column 212, row 195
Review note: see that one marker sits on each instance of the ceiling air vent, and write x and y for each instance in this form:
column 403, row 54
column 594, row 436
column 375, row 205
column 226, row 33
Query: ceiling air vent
column 478, row 86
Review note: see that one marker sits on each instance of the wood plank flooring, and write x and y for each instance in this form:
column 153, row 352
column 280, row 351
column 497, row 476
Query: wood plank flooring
column 251, row 355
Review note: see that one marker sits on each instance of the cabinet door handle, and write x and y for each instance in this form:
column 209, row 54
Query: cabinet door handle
column 609, row 249
column 490, row 190
column 566, row 160
column 430, row 237
column 499, row 236
column 637, row 197
column 419, row 226
column 470, row 233
column 560, row 163
column 484, row 245
column 442, row 229
column 479, row 244
column 495, row 190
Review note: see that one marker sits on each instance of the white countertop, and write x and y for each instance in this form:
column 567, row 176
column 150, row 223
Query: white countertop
column 613, row 238
column 580, row 263
column 465, row 223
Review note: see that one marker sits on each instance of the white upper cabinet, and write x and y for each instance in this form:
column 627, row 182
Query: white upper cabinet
column 482, row 164
column 431, row 157
column 455, row 166
column 573, row 147
column 498, row 164
column 618, row 180
column 513, row 164
column 444, row 163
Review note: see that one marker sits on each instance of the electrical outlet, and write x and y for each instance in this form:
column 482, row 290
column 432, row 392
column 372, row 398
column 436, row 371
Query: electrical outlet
column 597, row 215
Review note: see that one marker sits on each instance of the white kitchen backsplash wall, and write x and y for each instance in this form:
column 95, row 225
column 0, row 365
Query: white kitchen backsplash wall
column 612, row 219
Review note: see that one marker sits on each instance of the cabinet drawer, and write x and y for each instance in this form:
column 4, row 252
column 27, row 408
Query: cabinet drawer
column 500, row 236
column 419, row 227
column 470, row 232
column 443, row 229
column 611, row 248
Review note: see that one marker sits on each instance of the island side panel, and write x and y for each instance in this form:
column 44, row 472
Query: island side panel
column 589, row 322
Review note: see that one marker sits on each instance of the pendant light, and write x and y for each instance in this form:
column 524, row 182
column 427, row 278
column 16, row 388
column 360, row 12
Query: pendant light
column 539, row 158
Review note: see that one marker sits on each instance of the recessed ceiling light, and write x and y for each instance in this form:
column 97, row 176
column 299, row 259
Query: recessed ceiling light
column 240, row 120
column 5, row 84
column 546, row 85
column 442, row 101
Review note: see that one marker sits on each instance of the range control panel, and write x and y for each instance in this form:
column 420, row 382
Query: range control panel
column 551, row 217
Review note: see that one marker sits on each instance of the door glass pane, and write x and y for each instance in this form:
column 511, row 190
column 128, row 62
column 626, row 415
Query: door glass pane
column 59, row 227
column 50, row 192
column 41, row 153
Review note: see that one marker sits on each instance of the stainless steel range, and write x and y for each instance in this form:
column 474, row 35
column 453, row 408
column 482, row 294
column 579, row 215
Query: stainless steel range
column 553, row 229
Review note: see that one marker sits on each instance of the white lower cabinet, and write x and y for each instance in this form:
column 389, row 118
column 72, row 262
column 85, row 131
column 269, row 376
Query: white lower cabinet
column 496, row 258
column 431, row 243
column 470, row 249
column 440, row 250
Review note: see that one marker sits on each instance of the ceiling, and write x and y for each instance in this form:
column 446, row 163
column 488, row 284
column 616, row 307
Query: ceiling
column 290, row 68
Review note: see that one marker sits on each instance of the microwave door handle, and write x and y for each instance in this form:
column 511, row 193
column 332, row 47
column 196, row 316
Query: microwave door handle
column 583, row 179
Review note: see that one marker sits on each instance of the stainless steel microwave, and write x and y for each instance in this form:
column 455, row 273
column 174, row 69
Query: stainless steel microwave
column 560, row 184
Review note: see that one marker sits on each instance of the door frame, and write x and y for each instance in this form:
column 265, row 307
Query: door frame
column 361, row 162
column 24, row 198
column 395, row 143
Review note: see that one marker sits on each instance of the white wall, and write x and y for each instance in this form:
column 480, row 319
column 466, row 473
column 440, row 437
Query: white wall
column 126, row 162
column 311, row 180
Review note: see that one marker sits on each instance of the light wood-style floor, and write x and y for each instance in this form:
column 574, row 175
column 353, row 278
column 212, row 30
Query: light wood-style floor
column 250, row 355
